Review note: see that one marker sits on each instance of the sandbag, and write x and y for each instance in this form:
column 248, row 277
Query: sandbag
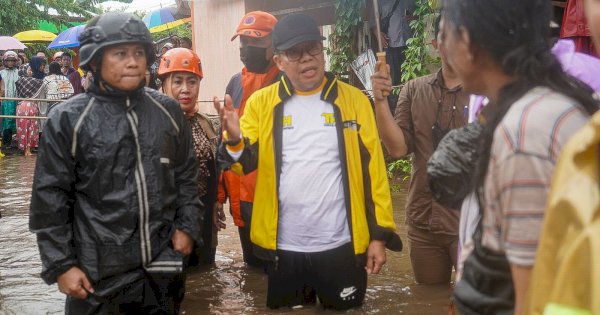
column 451, row 167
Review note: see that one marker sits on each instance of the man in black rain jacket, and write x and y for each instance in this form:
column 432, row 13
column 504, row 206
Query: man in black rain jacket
column 114, row 203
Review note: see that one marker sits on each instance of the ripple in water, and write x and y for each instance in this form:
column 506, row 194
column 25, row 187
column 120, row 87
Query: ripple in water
column 228, row 287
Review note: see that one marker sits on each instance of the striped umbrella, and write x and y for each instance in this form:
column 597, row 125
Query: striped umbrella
column 162, row 19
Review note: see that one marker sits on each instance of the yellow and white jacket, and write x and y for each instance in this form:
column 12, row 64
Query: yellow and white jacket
column 366, row 187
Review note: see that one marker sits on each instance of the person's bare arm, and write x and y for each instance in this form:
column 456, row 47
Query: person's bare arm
column 521, row 276
column 391, row 135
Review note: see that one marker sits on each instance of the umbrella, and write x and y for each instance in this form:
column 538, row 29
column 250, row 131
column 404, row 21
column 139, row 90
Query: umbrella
column 68, row 38
column 162, row 19
column 51, row 27
column 35, row 36
column 169, row 25
column 8, row 43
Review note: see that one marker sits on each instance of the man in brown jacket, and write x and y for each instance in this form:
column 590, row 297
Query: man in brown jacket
column 428, row 107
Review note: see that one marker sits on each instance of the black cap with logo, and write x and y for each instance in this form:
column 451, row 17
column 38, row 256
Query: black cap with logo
column 294, row 29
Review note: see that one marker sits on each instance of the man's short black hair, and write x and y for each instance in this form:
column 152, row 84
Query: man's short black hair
column 54, row 68
column 41, row 51
column 66, row 54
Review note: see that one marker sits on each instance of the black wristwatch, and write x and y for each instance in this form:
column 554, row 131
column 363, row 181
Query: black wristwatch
column 232, row 143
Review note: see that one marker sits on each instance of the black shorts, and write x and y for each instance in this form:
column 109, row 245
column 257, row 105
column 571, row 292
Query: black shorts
column 335, row 276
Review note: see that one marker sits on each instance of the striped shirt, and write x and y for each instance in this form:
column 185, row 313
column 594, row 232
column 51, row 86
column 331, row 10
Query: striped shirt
column 524, row 151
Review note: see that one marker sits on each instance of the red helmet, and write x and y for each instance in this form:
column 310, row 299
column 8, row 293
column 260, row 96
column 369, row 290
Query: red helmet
column 179, row 59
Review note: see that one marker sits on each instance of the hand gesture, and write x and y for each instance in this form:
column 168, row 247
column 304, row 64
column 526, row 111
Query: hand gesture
column 182, row 242
column 74, row 283
column 381, row 81
column 219, row 216
column 229, row 118
column 375, row 257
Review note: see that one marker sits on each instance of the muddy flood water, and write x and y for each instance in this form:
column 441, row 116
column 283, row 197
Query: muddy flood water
column 228, row 287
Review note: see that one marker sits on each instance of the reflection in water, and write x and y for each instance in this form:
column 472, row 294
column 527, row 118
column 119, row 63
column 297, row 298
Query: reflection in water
column 226, row 288
column 22, row 291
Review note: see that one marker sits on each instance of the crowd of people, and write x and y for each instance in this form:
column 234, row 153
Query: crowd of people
column 23, row 134
column 130, row 182
column 32, row 79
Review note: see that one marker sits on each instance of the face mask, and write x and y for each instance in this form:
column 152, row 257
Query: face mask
column 254, row 58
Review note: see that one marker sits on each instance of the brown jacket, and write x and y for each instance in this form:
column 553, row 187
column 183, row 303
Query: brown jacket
column 416, row 113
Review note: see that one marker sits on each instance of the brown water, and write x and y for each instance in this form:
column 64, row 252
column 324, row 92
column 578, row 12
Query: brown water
column 226, row 288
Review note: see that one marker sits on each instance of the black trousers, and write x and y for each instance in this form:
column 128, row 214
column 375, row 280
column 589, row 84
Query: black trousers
column 335, row 276
column 148, row 294
column 249, row 258
column 395, row 58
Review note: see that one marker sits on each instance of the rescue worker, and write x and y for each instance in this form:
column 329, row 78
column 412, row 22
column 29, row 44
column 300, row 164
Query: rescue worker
column 114, row 203
column 181, row 72
column 256, row 52
column 323, row 213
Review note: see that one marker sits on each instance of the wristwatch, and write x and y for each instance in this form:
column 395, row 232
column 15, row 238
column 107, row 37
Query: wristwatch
column 230, row 142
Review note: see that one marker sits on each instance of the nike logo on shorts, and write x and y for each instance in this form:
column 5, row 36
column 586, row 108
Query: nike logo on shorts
column 347, row 292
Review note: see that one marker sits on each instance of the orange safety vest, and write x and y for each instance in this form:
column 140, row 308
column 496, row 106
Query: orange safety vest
column 241, row 188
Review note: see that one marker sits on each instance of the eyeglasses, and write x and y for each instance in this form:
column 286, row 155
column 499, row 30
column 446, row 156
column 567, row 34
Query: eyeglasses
column 296, row 52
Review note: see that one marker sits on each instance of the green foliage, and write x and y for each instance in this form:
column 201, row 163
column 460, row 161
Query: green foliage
column 417, row 55
column 399, row 169
column 23, row 15
column 343, row 37
column 184, row 30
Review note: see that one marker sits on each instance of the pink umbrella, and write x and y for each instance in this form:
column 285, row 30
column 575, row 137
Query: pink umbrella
column 9, row 42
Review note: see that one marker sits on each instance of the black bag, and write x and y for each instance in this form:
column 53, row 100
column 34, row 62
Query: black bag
column 450, row 168
column 486, row 286
column 438, row 133
column 384, row 23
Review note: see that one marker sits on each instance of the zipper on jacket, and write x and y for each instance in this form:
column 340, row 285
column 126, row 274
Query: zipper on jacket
column 127, row 102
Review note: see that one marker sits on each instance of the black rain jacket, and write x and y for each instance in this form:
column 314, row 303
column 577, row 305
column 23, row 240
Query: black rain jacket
column 115, row 176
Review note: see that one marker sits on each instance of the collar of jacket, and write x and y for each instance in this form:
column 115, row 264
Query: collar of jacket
column 438, row 79
column 329, row 93
column 115, row 96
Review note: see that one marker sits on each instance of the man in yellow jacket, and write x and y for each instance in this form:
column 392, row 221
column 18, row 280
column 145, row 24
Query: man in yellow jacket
column 323, row 210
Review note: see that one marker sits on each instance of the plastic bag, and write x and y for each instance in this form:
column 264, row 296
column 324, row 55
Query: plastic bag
column 451, row 167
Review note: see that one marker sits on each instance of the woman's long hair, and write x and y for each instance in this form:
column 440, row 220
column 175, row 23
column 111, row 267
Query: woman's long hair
column 515, row 33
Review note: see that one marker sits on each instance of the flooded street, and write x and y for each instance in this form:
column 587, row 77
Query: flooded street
column 226, row 288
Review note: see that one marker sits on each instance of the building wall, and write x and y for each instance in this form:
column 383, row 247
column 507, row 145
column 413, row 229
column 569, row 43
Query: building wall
column 214, row 22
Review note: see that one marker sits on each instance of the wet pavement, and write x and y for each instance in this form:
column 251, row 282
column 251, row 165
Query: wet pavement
column 228, row 287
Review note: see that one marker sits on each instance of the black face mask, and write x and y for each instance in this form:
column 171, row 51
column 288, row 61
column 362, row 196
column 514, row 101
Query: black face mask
column 254, row 58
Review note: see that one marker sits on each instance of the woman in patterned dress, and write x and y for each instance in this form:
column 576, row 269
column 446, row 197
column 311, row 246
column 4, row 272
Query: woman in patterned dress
column 29, row 87
column 181, row 72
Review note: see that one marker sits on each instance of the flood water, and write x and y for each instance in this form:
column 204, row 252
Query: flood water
column 228, row 287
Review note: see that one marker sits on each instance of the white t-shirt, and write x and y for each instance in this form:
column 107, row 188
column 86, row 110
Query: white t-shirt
column 312, row 214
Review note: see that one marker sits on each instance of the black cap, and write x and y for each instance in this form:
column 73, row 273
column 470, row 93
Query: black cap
column 294, row 29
